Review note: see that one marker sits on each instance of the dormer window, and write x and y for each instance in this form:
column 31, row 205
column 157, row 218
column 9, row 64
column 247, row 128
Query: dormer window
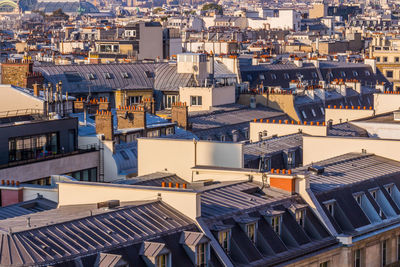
column 262, row 77
column 389, row 189
column 125, row 75
column 107, row 75
column 91, row 76
column 201, row 254
column 251, row 231
column 286, row 76
column 374, row 193
column 367, row 73
column 276, row 224
column 273, row 76
column 162, row 260
column 330, row 206
column 355, row 73
column 300, row 217
column 224, row 238
column 358, row 197
column 342, row 74
column 314, row 74
column 223, row 138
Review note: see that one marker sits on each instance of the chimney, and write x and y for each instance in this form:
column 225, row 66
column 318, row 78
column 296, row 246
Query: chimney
column 131, row 117
column 105, row 124
column 283, row 179
column 36, row 90
column 149, row 105
column 179, row 115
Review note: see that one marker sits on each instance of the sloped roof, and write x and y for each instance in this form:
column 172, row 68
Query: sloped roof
column 73, row 231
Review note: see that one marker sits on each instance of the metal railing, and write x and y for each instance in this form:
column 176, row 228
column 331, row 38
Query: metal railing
column 77, row 151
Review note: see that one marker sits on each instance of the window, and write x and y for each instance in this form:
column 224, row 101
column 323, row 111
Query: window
column 304, row 114
column 162, row 260
column 330, row 208
column 273, row 76
column 378, row 59
column 196, row 100
column 355, row 73
column 398, row 248
column 224, row 238
column 324, row 264
column 367, row 73
column 358, row 198
column 313, row 112
column 374, row 193
column 384, row 59
column 389, row 74
column 314, row 74
column 91, row 76
column 125, row 75
column 384, row 252
column 33, row 147
column 153, row 133
column 223, row 138
column 251, row 231
column 171, row 99
column 342, row 74
column 262, row 77
column 276, row 224
column 286, row 76
column 357, row 258
column 130, row 33
column 300, row 217
column 89, row 175
column 291, row 159
column 322, row 110
column 135, row 100
column 170, row 131
column 396, row 59
column 107, row 75
column 201, row 254
column 389, row 189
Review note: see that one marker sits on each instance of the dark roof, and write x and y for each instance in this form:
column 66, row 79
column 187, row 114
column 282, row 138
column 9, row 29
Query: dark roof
column 168, row 79
column 349, row 169
column 26, row 207
column 78, row 79
column 74, row 231
column 66, row 7
column 155, row 179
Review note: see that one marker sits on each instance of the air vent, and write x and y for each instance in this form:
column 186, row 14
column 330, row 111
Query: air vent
column 316, row 169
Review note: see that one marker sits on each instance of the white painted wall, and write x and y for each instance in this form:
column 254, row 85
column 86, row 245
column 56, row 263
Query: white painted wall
column 317, row 148
column 184, row 200
column 284, row 129
column 13, row 99
column 179, row 156
column 384, row 103
column 343, row 115
column 380, row 130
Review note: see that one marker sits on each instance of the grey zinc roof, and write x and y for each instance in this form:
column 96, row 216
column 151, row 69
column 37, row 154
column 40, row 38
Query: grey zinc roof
column 26, row 207
column 75, row 78
column 350, row 169
column 220, row 119
column 73, row 231
column 154, row 179
column 347, row 129
column 230, row 199
column 273, row 145
column 167, row 78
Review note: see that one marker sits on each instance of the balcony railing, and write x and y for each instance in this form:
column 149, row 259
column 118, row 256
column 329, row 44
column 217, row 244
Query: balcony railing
column 79, row 150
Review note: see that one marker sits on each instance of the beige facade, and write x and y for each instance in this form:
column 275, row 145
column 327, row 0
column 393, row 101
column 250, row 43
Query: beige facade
column 319, row 10
column 279, row 128
column 210, row 96
column 338, row 115
column 384, row 103
column 317, row 148
column 179, row 156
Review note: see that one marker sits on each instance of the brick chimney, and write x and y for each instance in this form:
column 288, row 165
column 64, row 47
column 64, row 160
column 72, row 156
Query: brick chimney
column 131, row 117
column 283, row 179
column 104, row 104
column 20, row 73
column 149, row 105
column 36, row 90
column 105, row 124
column 179, row 115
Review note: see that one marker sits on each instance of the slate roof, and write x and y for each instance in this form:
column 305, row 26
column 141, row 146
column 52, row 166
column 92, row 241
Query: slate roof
column 75, row 78
column 168, row 79
column 350, row 169
column 272, row 145
column 155, row 179
column 26, row 207
column 70, row 232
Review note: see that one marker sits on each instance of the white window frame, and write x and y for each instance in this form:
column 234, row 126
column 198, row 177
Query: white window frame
column 196, row 101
